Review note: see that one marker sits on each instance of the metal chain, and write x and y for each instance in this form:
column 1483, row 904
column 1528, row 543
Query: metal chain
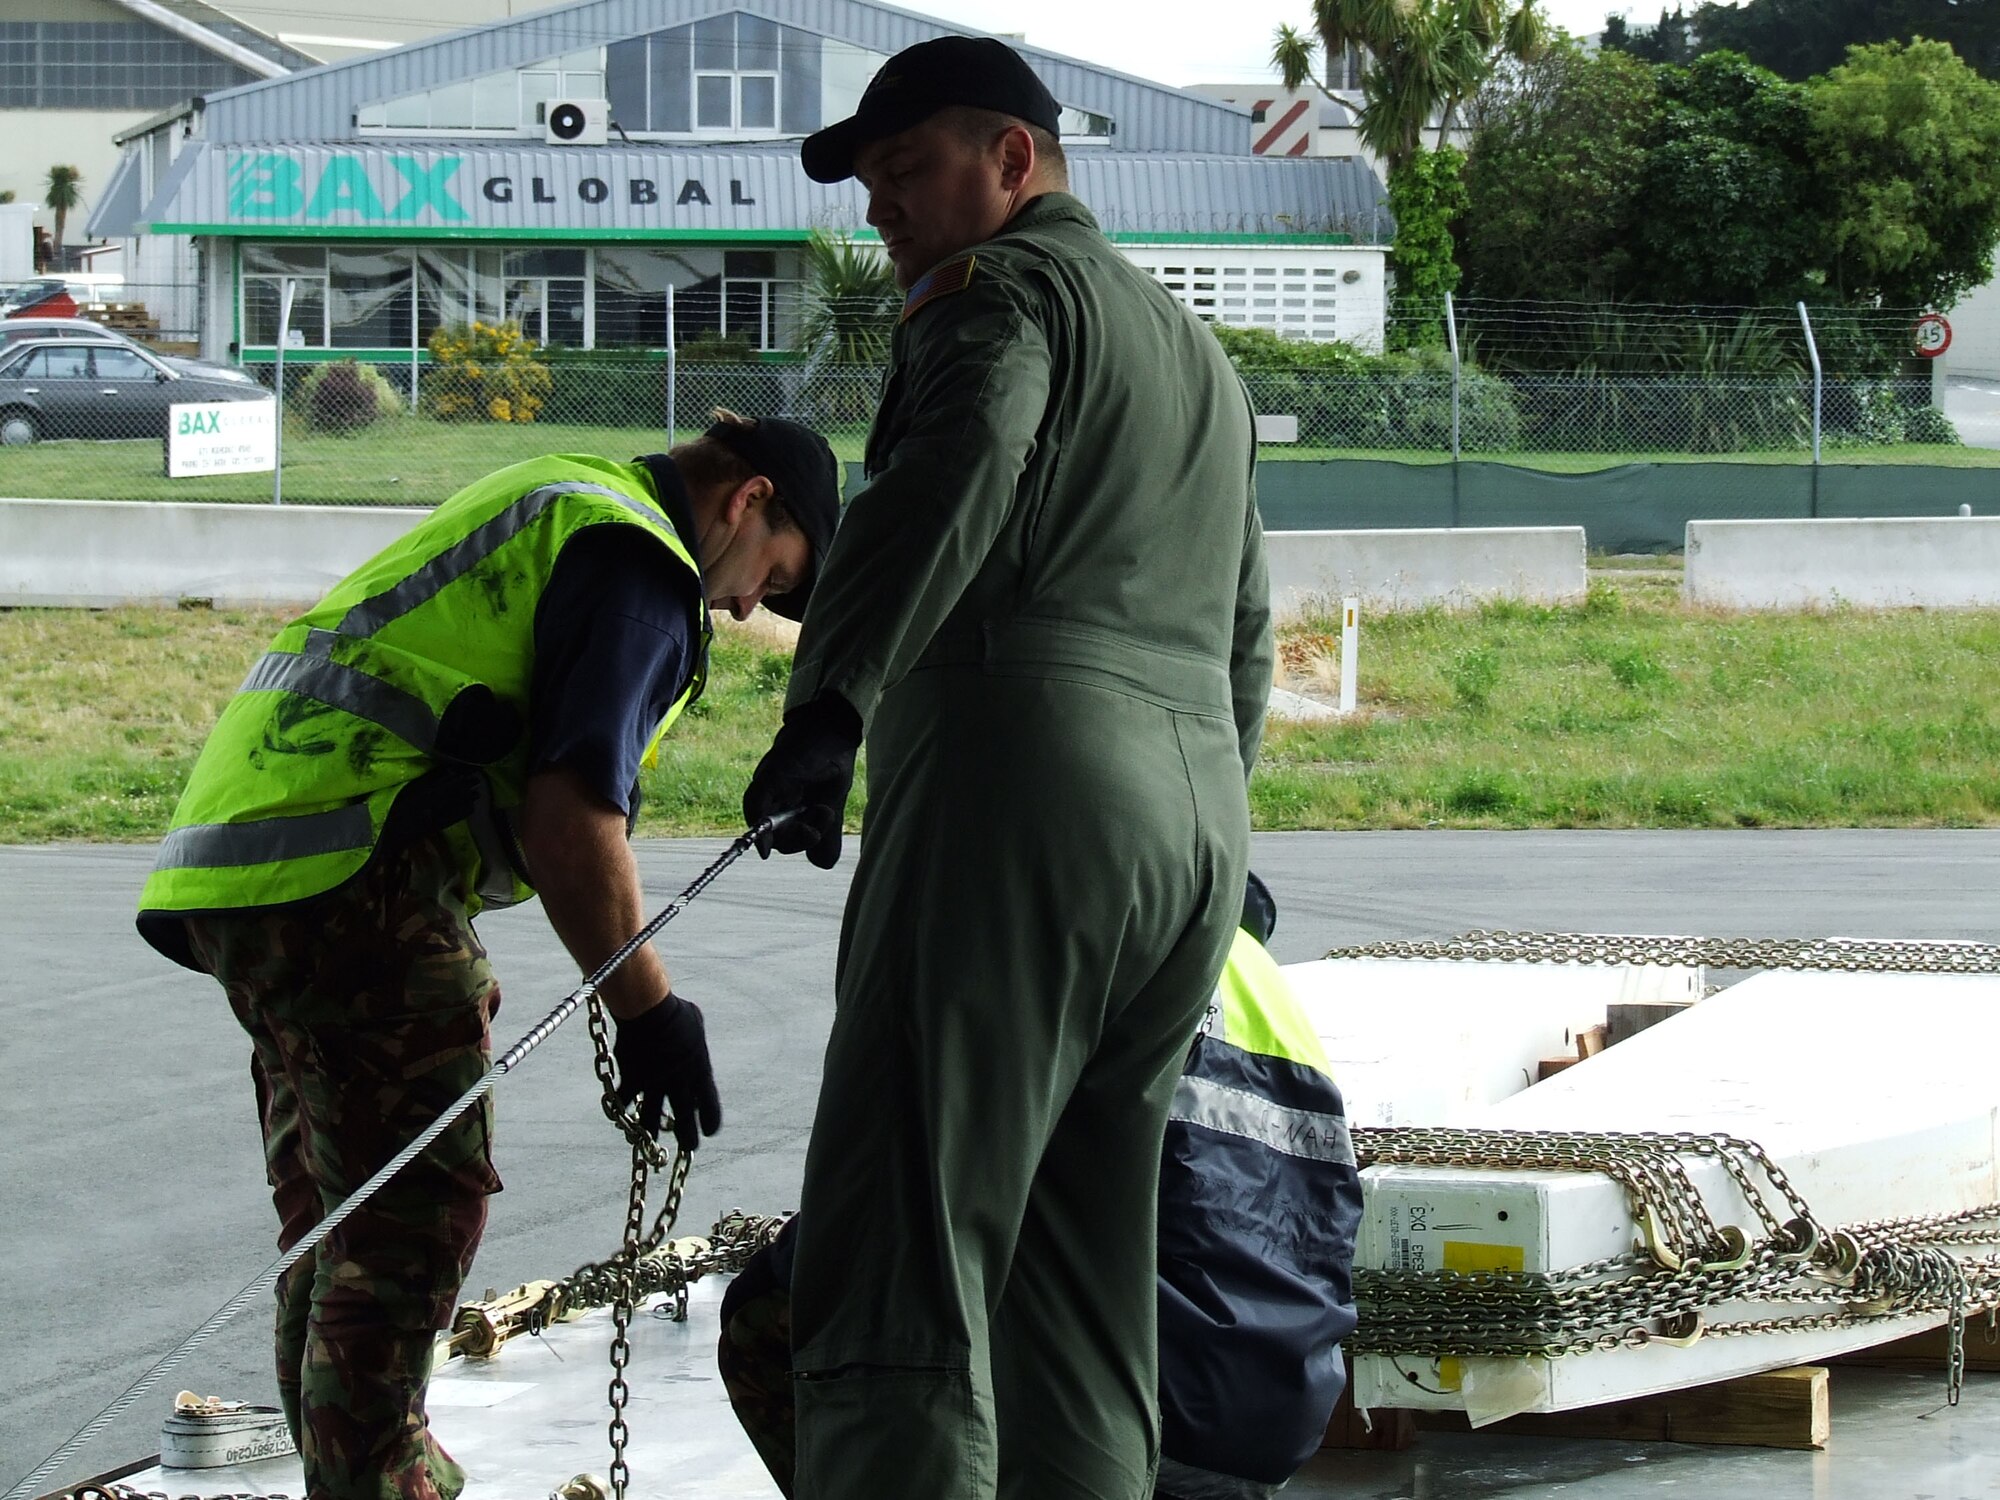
column 619, row 1270
column 1876, row 1271
column 671, row 1268
column 537, row 1034
column 1846, row 955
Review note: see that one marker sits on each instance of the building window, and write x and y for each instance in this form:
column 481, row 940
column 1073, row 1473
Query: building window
column 1085, row 126
column 729, row 75
column 396, row 297
column 265, row 271
column 106, row 65
column 736, row 103
column 368, row 298
column 737, row 62
column 510, row 103
column 545, row 294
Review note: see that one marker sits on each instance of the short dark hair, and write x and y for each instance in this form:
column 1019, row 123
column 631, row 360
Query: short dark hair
column 977, row 127
column 706, row 463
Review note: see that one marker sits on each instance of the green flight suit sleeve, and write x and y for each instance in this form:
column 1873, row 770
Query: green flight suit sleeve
column 973, row 392
column 1253, row 653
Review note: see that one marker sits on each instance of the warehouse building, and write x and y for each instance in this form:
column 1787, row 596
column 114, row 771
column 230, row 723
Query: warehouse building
column 624, row 174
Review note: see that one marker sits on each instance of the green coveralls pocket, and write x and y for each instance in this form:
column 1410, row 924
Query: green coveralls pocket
column 921, row 1425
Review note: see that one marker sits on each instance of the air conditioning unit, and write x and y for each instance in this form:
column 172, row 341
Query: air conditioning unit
column 575, row 122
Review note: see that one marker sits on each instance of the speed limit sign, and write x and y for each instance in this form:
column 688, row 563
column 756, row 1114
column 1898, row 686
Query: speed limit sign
column 1933, row 335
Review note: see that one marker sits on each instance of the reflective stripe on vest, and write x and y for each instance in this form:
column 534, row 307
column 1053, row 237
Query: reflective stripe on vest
column 349, row 689
column 202, row 846
column 371, row 614
column 350, row 705
column 1306, row 1133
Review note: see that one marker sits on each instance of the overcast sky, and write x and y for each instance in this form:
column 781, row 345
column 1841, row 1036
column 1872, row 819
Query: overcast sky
column 1191, row 41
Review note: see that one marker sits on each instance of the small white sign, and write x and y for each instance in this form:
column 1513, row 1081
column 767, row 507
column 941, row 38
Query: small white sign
column 1277, row 429
column 222, row 437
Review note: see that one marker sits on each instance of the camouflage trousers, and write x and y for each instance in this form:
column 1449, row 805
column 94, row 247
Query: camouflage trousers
column 755, row 1358
column 368, row 1013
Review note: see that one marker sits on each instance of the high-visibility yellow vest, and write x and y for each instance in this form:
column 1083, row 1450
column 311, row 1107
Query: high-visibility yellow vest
column 419, row 661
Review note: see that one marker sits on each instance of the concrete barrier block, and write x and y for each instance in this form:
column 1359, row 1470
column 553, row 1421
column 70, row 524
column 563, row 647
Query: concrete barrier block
column 1312, row 571
column 1938, row 562
column 102, row 553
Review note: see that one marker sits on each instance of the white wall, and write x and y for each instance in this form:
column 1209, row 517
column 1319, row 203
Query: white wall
column 1975, row 331
column 108, row 552
column 1928, row 561
column 1312, row 571
column 38, row 139
column 17, row 241
column 99, row 553
column 1301, row 291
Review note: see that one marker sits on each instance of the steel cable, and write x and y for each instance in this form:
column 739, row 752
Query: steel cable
column 540, row 1032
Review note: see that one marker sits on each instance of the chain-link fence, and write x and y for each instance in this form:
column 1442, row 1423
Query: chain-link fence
column 1562, row 389
column 1570, row 386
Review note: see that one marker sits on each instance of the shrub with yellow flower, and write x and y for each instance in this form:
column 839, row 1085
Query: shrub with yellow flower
column 484, row 370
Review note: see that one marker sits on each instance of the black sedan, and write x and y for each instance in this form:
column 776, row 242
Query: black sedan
column 15, row 330
column 76, row 388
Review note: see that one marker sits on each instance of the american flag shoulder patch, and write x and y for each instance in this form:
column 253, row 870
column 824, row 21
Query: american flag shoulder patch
column 940, row 281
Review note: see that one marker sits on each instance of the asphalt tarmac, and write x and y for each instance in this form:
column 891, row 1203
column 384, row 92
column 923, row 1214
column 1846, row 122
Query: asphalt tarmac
column 132, row 1201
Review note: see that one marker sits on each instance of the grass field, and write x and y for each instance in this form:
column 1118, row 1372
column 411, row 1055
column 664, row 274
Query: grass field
column 416, row 461
column 1629, row 710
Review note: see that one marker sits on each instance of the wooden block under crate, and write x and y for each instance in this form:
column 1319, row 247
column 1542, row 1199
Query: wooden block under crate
column 1781, row 1409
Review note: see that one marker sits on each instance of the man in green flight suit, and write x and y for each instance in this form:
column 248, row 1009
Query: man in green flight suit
column 458, row 725
column 1048, row 615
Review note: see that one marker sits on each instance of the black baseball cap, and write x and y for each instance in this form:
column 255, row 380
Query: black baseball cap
column 806, row 479
column 976, row 71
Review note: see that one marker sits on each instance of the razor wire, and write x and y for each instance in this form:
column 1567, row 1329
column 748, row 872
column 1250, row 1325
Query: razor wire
column 1559, row 386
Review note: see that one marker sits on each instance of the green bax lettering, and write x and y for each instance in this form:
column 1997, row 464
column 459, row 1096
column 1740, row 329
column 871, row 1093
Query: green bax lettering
column 268, row 185
column 275, row 185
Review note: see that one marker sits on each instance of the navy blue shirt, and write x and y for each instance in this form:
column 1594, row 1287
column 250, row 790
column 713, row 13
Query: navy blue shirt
column 616, row 642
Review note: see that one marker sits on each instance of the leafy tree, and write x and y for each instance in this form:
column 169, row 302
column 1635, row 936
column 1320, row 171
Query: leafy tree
column 1731, row 207
column 65, row 192
column 1672, row 40
column 1425, row 195
column 851, row 302
column 1907, row 137
column 850, row 311
column 1426, row 58
column 1553, row 176
column 1800, row 38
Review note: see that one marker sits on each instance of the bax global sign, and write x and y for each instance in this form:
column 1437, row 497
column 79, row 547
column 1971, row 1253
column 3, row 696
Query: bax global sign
column 560, row 193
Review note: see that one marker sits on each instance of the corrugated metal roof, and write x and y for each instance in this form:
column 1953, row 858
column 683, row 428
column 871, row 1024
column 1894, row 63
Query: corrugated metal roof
column 418, row 190
column 119, row 204
column 1148, row 193
column 319, row 104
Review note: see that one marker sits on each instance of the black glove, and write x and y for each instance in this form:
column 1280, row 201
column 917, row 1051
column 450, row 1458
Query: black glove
column 662, row 1058
column 810, row 765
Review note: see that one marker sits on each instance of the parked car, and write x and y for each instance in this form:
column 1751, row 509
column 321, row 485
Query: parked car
column 14, row 330
column 80, row 388
column 46, row 295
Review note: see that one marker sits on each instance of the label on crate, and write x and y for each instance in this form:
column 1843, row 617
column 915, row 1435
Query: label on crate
column 221, row 437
